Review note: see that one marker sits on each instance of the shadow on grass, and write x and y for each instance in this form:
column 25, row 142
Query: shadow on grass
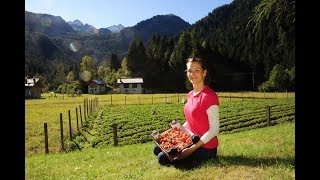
column 251, row 161
column 241, row 161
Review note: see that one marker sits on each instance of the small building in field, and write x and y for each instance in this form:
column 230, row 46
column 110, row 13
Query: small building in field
column 96, row 87
column 33, row 88
column 130, row 85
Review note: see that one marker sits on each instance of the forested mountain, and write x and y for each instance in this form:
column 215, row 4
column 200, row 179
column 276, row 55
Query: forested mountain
column 72, row 45
column 164, row 25
column 260, row 37
column 47, row 24
column 245, row 41
column 249, row 45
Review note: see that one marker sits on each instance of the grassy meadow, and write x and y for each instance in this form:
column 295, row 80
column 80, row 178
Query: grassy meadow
column 264, row 153
column 48, row 109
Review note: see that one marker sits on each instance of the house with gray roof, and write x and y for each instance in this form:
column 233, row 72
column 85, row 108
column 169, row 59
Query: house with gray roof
column 97, row 87
column 130, row 85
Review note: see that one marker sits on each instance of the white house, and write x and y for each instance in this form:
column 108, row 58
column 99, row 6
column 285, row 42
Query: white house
column 96, row 87
column 130, row 85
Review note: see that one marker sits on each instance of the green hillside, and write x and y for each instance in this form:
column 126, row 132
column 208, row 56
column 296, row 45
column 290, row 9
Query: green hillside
column 264, row 153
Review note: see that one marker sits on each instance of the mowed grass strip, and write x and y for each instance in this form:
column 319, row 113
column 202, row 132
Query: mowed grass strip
column 265, row 153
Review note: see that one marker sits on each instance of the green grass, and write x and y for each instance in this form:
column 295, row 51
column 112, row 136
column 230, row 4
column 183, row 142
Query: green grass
column 265, row 153
column 48, row 109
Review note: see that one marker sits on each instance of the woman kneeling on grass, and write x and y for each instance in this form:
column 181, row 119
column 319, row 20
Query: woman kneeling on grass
column 202, row 118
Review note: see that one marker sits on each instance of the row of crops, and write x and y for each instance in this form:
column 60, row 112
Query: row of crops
column 135, row 123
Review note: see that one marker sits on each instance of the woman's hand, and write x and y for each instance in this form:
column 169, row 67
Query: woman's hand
column 186, row 152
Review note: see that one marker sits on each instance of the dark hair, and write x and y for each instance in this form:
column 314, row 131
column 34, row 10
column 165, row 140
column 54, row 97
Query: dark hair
column 198, row 60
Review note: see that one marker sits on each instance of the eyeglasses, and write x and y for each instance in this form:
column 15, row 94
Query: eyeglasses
column 196, row 71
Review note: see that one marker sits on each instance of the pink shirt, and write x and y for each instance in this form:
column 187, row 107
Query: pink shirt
column 195, row 111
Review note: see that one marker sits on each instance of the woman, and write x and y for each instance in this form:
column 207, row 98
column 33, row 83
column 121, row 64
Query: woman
column 202, row 118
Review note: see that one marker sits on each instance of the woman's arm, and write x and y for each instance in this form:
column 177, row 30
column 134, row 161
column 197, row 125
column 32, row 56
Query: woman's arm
column 213, row 116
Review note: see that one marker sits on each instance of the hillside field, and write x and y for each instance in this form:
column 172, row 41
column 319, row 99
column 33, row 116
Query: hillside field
column 48, row 110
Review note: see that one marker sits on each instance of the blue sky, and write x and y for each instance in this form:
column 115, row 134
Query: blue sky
column 105, row 13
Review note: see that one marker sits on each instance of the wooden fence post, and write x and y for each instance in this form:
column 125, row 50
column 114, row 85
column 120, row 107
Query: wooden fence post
column 94, row 104
column 77, row 119
column 70, row 129
column 268, row 115
column 87, row 107
column 229, row 96
column 97, row 102
column 115, row 135
column 61, row 131
column 84, row 109
column 91, row 106
column 80, row 115
column 46, row 138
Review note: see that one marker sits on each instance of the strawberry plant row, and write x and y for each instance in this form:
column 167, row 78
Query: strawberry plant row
column 244, row 119
column 253, row 114
column 135, row 123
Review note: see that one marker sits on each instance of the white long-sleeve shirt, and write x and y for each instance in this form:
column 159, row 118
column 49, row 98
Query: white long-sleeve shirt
column 214, row 122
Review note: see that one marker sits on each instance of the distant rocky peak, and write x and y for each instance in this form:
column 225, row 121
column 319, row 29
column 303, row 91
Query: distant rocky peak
column 80, row 27
column 75, row 23
column 116, row 28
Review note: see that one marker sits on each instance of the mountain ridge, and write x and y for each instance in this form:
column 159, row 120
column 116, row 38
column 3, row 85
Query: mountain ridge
column 99, row 45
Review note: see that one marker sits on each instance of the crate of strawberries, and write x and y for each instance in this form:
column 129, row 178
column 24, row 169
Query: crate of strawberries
column 174, row 140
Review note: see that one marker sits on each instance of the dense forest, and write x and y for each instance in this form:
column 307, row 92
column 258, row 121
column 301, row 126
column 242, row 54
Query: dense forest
column 248, row 45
